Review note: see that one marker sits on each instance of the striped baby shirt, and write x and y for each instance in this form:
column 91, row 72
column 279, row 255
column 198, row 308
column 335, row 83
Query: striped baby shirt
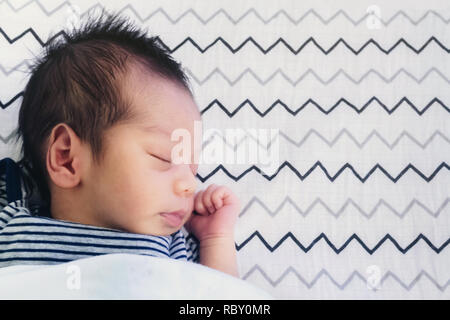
column 26, row 238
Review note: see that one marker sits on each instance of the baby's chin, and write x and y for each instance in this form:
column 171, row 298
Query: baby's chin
column 164, row 230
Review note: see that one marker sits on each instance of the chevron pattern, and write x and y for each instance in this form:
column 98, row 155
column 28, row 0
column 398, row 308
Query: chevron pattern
column 294, row 82
column 342, row 286
column 332, row 178
column 252, row 41
column 341, row 104
column 338, row 250
column 333, row 141
column 277, row 15
column 349, row 202
column 359, row 94
column 311, row 40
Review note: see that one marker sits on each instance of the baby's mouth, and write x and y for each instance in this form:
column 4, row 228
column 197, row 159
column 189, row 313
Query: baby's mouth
column 174, row 219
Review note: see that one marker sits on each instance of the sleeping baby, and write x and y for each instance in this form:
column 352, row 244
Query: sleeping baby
column 96, row 123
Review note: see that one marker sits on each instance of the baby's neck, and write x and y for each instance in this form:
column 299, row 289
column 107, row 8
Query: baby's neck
column 70, row 205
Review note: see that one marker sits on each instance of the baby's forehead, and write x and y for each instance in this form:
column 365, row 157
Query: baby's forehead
column 139, row 78
column 158, row 102
column 154, row 93
column 153, row 120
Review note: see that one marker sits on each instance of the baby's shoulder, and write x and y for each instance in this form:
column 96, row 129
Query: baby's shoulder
column 14, row 210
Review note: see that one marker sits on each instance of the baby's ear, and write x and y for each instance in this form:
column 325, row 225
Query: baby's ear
column 64, row 156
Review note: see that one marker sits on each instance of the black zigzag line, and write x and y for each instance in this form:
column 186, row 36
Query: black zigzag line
column 10, row 102
column 34, row 34
column 341, row 101
column 297, row 51
column 255, row 43
column 338, row 250
column 331, row 178
column 237, row 20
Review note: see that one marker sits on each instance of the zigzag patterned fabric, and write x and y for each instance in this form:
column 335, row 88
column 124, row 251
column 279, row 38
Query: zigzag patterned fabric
column 357, row 204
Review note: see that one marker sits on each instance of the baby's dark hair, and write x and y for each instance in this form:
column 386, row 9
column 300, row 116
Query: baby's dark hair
column 78, row 81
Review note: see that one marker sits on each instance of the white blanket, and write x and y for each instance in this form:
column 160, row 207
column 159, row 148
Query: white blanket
column 123, row 276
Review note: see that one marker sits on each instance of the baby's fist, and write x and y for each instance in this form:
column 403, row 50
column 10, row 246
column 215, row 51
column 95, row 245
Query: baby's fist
column 215, row 213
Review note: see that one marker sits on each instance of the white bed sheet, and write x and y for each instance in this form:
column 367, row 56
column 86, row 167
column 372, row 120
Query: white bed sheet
column 123, row 276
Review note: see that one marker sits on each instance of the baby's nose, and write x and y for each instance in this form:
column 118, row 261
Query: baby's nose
column 186, row 187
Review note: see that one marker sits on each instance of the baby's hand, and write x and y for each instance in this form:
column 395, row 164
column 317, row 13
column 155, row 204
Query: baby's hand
column 216, row 210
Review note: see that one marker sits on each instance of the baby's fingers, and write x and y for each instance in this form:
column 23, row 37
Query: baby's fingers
column 198, row 203
column 207, row 201
column 217, row 197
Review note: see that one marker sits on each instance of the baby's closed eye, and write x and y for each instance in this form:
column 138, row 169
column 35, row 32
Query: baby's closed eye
column 193, row 166
column 160, row 158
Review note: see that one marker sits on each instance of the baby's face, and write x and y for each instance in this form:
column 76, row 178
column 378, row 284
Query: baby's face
column 136, row 182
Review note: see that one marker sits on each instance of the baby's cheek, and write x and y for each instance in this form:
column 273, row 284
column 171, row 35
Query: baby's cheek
column 191, row 205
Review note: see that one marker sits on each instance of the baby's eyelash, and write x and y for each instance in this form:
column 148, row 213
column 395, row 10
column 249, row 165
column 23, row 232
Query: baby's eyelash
column 161, row 158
